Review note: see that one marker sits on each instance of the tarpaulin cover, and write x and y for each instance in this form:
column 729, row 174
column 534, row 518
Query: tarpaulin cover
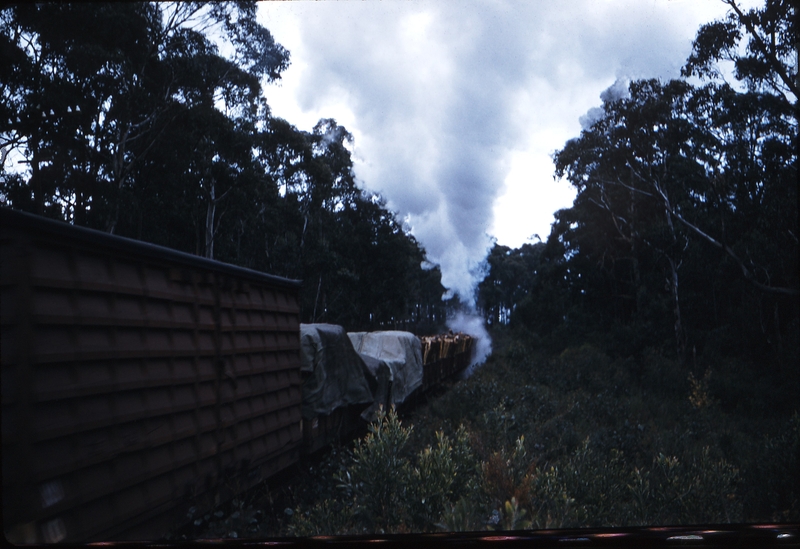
column 334, row 374
column 401, row 352
column 381, row 386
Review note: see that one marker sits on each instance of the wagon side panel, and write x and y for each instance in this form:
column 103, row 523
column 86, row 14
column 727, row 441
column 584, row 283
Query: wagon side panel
column 134, row 382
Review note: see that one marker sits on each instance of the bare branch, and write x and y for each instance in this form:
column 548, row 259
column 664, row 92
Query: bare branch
column 767, row 52
column 728, row 250
column 625, row 185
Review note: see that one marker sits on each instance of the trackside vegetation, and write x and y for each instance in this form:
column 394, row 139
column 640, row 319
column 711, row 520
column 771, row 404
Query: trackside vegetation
column 536, row 440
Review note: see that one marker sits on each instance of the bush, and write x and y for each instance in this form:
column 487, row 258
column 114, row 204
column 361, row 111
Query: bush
column 379, row 477
column 443, row 474
column 773, row 477
column 387, row 490
column 613, row 442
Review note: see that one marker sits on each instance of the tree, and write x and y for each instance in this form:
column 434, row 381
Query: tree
column 91, row 88
column 770, row 55
column 132, row 120
column 674, row 172
column 632, row 165
column 510, row 276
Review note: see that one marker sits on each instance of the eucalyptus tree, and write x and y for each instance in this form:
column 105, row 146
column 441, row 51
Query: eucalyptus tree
column 632, row 165
column 361, row 267
column 386, row 282
column 750, row 157
column 65, row 66
column 511, row 274
column 149, row 120
column 88, row 91
column 761, row 43
column 701, row 178
column 750, row 161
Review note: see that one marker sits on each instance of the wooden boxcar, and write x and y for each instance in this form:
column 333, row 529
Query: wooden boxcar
column 136, row 379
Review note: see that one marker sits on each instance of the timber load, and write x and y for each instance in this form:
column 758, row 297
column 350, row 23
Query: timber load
column 398, row 367
column 445, row 355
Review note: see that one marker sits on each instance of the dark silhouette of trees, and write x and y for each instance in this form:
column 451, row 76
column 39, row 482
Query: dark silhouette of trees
column 685, row 222
column 148, row 120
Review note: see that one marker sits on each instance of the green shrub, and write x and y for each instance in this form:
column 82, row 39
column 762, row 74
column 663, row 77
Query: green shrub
column 598, row 485
column 441, row 476
column 514, row 516
column 613, row 442
column 506, row 475
column 552, row 505
column 579, row 366
column 661, row 376
column 325, row 517
column 463, row 516
column 386, row 489
column 517, row 489
column 612, row 492
column 773, row 476
column 377, row 481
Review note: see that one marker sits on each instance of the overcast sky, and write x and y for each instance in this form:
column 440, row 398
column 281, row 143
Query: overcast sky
column 457, row 106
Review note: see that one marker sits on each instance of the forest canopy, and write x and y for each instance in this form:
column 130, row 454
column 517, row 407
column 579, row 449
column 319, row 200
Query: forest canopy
column 683, row 234
column 148, row 120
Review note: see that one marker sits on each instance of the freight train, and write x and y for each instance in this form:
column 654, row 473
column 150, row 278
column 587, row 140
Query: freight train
column 138, row 380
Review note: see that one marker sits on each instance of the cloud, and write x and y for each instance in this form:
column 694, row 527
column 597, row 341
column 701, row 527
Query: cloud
column 456, row 106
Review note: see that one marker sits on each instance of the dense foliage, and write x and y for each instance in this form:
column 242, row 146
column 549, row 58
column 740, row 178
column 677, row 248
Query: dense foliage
column 654, row 337
column 684, row 233
column 148, row 120
column 536, row 439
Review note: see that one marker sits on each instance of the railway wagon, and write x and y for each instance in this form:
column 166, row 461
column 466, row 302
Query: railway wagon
column 441, row 357
column 136, row 379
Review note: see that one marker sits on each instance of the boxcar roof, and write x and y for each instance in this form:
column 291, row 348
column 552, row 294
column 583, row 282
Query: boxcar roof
column 29, row 222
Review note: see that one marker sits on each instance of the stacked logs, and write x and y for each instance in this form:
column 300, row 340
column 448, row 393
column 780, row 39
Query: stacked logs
column 443, row 355
column 441, row 346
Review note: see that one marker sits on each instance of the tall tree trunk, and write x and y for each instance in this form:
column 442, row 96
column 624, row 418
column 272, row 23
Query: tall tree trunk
column 680, row 339
column 680, row 336
column 36, row 182
column 316, row 299
column 637, row 277
column 210, row 212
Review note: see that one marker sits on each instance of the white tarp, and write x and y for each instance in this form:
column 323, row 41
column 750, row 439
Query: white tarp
column 334, row 374
column 401, row 352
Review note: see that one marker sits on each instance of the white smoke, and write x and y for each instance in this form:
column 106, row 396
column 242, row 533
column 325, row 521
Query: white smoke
column 442, row 97
column 618, row 90
column 472, row 324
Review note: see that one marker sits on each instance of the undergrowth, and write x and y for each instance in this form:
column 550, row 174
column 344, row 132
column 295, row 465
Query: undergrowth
column 541, row 439
column 576, row 439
